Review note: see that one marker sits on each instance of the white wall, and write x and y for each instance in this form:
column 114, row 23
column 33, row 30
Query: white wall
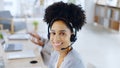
column 1, row 5
column 81, row 2
column 89, row 8
column 11, row 5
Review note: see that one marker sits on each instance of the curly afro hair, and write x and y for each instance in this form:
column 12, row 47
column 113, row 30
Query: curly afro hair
column 74, row 14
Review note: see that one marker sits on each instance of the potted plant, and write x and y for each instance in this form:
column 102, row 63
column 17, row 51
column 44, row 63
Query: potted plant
column 1, row 36
column 2, row 41
column 35, row 23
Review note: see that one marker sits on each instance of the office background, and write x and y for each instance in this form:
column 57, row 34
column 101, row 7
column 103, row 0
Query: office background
column 98, row 46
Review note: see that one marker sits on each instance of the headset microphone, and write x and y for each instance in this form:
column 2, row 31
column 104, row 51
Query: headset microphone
column 67, row 46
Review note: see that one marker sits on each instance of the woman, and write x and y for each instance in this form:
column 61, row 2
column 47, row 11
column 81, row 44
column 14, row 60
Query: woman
column 64, row 20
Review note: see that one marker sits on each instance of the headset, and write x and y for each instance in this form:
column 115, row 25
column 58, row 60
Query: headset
column 73, row 37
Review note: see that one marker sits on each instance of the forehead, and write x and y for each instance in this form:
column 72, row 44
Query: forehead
column 59, row 26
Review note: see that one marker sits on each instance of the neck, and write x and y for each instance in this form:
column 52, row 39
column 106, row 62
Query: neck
column 63, row 53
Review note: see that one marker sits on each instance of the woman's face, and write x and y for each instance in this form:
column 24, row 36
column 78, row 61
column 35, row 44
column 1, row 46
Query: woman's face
column 60, row 35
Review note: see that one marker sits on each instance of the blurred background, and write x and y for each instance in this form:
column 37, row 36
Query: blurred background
column 98, row 43
column 30, row 8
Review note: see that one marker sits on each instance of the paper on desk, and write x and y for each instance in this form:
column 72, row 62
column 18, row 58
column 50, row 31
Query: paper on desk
column 20, row 55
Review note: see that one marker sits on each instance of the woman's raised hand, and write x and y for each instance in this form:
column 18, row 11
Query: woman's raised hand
column 36, row 39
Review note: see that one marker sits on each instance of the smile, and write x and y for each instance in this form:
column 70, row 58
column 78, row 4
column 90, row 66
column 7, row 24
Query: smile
column 57, row 43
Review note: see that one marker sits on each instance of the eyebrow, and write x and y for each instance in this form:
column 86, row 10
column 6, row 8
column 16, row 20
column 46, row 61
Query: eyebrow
column 60, row 30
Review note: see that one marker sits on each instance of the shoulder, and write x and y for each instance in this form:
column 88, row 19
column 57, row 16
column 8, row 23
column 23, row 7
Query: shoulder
column 73, row 55
column 73, row 60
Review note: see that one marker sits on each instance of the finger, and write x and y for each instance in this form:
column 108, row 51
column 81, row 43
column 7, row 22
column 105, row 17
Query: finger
column 31, row 34
column 35, row 42
column 35, row 35
column 38, row 42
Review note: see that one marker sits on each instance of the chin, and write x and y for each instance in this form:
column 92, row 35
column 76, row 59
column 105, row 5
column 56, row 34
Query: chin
column 57, row 49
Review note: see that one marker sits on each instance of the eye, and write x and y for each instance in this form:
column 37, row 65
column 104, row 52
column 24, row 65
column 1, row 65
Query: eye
column 52, row 33
column 62, row 33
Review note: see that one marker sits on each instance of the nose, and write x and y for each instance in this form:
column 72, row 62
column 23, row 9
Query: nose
column 57, row 37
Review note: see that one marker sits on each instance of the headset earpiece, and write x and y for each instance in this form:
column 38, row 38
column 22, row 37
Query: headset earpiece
column 73, row 38
column 48, row 35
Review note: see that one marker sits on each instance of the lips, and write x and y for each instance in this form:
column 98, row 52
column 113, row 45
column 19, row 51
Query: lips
column 57, row 43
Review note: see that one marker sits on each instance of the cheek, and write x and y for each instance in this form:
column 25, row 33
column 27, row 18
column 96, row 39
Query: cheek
column 63, row 38
column 66, row 39
column 51, row 39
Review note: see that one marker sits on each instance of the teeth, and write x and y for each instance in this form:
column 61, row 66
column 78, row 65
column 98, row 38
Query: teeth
column 57, row 44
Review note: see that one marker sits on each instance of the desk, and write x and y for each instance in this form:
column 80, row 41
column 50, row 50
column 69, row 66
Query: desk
column 24, row 63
